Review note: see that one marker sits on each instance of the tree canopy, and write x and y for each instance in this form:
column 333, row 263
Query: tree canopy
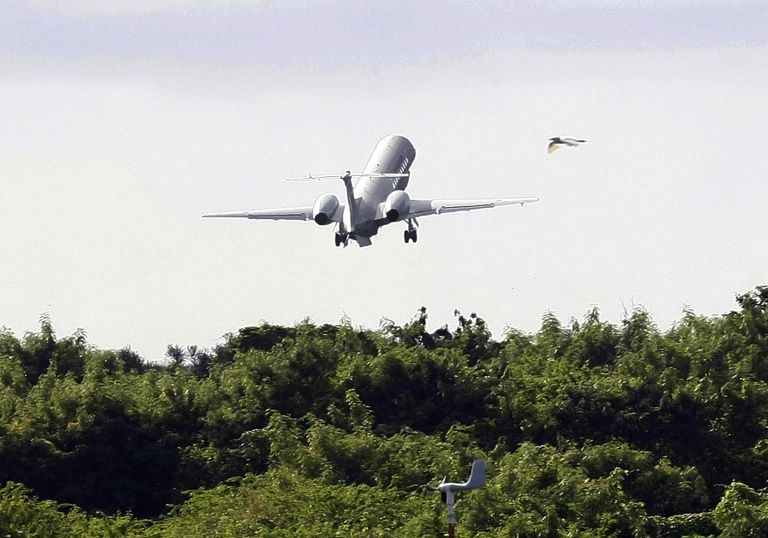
column 588, row 429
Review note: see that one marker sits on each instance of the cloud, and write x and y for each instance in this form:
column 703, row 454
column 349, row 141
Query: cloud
column 113, row 8
column 333, row 34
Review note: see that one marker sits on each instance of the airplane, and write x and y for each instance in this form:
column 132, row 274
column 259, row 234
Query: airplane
column 378, row 198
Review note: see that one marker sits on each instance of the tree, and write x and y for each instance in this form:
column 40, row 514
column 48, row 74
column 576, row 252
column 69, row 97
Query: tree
column 742, row 512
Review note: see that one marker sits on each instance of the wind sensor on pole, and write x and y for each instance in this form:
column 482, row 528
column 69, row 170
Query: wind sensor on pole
column 447, row 490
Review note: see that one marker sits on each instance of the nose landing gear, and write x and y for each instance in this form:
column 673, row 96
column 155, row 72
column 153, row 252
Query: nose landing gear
column 341, row 239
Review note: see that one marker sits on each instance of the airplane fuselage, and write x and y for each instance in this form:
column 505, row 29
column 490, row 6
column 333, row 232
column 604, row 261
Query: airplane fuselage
column 393, row 154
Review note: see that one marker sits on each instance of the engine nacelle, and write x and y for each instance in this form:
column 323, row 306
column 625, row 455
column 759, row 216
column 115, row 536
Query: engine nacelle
column 397, row 206
column 324, row 208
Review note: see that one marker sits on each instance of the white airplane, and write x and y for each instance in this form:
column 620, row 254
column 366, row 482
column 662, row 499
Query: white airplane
column 378, row 198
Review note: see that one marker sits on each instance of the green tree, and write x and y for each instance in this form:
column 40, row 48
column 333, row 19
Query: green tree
column 742, row 512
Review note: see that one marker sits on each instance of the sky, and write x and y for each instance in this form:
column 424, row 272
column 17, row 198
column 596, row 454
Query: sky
column 122, row 122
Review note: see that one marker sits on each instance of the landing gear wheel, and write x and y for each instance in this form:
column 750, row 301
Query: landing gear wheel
column 340, row 239
column 410, row 233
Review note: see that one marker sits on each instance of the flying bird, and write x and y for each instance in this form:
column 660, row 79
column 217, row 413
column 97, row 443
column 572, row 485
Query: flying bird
column 556, row 142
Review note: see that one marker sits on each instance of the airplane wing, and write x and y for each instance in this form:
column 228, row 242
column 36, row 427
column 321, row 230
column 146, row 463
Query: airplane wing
column 422, row 208
column 286, row 213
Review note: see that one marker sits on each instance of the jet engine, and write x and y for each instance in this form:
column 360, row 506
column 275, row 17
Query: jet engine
column 324, row 208
column 397, row 206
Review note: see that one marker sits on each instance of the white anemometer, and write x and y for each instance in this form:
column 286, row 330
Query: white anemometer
column 448, row 489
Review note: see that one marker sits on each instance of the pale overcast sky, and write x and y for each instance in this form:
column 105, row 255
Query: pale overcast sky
column 120, row 125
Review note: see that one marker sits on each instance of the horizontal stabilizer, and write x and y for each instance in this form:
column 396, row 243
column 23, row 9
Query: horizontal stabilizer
column 310, row 177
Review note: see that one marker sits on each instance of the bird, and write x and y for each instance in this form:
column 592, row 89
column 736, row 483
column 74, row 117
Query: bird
column 556, row 142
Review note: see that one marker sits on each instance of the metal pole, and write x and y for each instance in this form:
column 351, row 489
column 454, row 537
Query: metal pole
column 449, row 503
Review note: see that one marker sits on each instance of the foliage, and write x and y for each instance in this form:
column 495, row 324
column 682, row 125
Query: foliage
column 23, row 516
column 742, row 512
column 588, row 429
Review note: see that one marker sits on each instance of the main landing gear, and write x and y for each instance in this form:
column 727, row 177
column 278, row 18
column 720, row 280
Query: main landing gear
column 410, row 233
